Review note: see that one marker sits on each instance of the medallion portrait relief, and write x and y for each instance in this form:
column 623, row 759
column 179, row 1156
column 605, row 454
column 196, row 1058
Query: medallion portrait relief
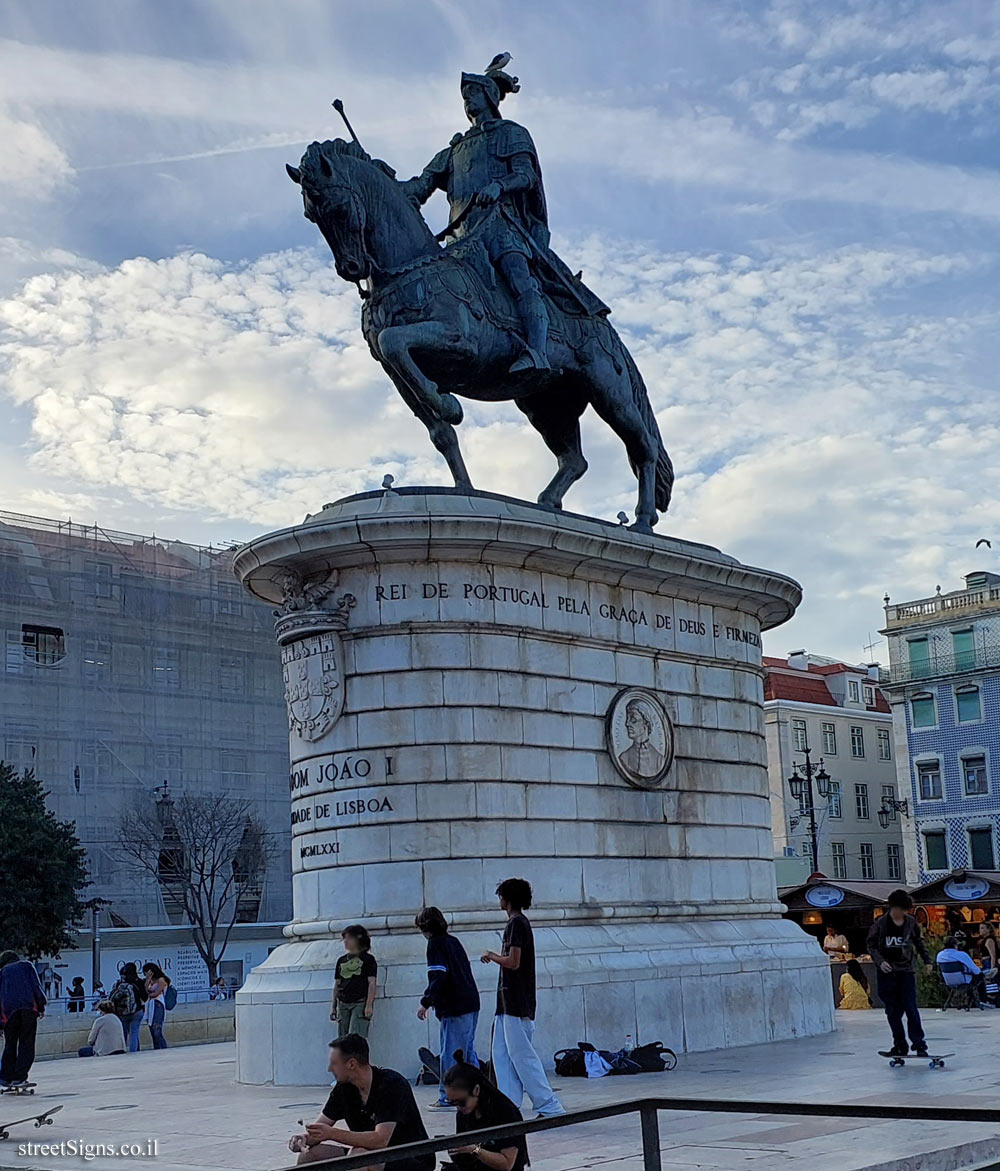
column 640, row 737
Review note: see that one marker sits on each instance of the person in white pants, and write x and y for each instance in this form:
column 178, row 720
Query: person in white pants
column 516, row 1066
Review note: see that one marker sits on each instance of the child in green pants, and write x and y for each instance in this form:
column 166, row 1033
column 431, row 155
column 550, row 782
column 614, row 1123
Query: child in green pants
column 354, row 986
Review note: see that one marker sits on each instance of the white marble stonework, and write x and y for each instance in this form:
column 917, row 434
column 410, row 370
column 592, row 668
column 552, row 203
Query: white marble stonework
column 450, row 664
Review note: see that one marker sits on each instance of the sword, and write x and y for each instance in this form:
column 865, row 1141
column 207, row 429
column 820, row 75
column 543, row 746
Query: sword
column 338, row 105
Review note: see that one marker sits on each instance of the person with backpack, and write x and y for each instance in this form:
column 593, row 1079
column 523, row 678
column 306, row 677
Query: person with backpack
column 158, row 985
column 451, row 992
column 22, row 1002
column 128, row 999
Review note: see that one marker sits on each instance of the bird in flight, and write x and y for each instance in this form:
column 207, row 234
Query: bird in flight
column 983, row 541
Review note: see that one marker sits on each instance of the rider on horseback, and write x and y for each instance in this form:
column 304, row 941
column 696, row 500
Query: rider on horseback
column 494, row 187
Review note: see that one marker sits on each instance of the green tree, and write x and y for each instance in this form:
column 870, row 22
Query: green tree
column 42, row 869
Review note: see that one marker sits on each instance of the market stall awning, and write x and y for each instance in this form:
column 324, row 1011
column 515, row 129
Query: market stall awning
column 960, row 888
column 824, row 894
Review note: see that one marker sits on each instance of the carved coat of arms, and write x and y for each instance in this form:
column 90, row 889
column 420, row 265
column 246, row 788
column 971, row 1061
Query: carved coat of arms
column 308, row 627
column 314, row 684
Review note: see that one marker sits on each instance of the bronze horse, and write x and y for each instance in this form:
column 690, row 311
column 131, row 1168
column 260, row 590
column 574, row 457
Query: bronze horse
column 441, row 325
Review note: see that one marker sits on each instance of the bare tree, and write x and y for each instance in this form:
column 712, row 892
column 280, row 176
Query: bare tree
column 209, row 855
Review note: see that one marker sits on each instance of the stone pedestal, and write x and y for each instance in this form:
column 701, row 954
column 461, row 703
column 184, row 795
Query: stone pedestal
column 481, row 689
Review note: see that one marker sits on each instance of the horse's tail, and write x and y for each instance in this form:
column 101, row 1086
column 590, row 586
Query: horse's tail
column 664, row 468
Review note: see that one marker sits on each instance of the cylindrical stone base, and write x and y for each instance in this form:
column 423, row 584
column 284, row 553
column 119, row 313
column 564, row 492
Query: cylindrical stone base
column 480, row 689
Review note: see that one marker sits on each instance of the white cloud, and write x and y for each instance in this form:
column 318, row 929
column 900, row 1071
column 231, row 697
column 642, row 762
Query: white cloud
column 818, row 413
column 33, row 163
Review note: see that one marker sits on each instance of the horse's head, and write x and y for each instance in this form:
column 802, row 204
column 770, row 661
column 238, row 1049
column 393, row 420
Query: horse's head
column 332, row 201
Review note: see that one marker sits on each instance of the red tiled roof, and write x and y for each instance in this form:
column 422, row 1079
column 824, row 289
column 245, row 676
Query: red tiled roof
column 798, row 686
column 881, row 703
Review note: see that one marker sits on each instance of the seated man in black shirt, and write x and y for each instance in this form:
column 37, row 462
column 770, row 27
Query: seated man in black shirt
column 377, row 1106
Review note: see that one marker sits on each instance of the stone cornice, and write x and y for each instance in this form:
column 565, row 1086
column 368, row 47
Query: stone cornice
column 399, row 527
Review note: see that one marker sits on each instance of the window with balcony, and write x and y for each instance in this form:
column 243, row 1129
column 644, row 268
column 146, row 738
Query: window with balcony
column 853, row 691
column 935, row 850
column 101, row 573
column 232, row 673
column 839, row 859
column 918, row 652
column 20, row 750
column 861, row 802
column 97, row 660
column 857, row 741
column 799, row 741
column 974, row 775
column 836, row 806
column 893, row 865
column 968, row 705
column 884, row 744
column 929, row 780
column 166, row 668
column 922, row 712
column 867, row 860
column 981, row 849
column 15, row 653
column 963, row 649
column 43, row 645
column 830, row 739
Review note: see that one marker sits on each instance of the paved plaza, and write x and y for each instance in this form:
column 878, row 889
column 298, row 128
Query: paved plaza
column 186, row 1098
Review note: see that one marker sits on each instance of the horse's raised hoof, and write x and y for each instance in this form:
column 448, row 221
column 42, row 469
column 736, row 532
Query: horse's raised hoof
column 450, row 409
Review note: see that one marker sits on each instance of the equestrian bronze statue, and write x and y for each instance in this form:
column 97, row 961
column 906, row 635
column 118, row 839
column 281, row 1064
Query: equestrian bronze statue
column 493, row 314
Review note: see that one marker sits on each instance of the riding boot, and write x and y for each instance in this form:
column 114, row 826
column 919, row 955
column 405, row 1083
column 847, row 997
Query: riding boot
column 535, row 317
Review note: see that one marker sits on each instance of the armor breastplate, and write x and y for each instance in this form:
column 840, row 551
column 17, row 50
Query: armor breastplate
column 472, row 168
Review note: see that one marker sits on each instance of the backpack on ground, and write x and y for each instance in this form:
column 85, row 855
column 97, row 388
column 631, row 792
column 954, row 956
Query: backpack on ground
column 123, row 999
column 654, row 1057
column 570, row 1062
column 170, row 997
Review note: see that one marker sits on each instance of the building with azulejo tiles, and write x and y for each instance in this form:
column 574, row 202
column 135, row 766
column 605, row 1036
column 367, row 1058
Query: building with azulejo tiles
column 943, row 683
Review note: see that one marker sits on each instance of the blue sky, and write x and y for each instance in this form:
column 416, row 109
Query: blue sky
column 792, row 208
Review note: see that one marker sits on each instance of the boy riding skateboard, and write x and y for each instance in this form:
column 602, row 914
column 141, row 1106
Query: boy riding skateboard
column 893, row 942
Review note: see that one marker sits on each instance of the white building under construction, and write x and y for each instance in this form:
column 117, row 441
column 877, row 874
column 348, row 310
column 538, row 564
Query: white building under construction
column 132, row 663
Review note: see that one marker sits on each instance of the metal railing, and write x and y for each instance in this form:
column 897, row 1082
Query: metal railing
column 943, row 664
column 648, row 1110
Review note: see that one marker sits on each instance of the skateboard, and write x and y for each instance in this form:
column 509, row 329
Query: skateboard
column 43, row 1119
column 430, row 1074
column 26, row 1088
column 934, row 1060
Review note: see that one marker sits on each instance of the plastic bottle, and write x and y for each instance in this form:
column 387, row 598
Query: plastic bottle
column 628, row 1043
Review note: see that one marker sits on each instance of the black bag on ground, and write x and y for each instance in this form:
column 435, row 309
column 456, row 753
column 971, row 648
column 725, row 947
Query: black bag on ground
column 570, row 1062
column 654, row 1057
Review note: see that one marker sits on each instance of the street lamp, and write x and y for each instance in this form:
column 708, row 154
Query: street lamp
column 802, row 786
column 889, row 808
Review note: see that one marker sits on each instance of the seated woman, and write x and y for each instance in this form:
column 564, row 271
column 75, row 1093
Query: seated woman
column 107, row 1037
column 854, row 987
column 480, row 1105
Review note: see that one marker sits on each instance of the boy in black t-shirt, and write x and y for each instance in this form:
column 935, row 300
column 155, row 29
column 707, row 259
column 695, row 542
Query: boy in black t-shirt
column 354, row 984
column 516, row 1065
column 376, row 1104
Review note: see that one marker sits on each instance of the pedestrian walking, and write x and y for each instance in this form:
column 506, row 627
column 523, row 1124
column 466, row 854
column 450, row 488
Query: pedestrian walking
column 516, row 1066
column 893, row 943
column 355, row 980
column 22, row 1002
column 451, row 992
